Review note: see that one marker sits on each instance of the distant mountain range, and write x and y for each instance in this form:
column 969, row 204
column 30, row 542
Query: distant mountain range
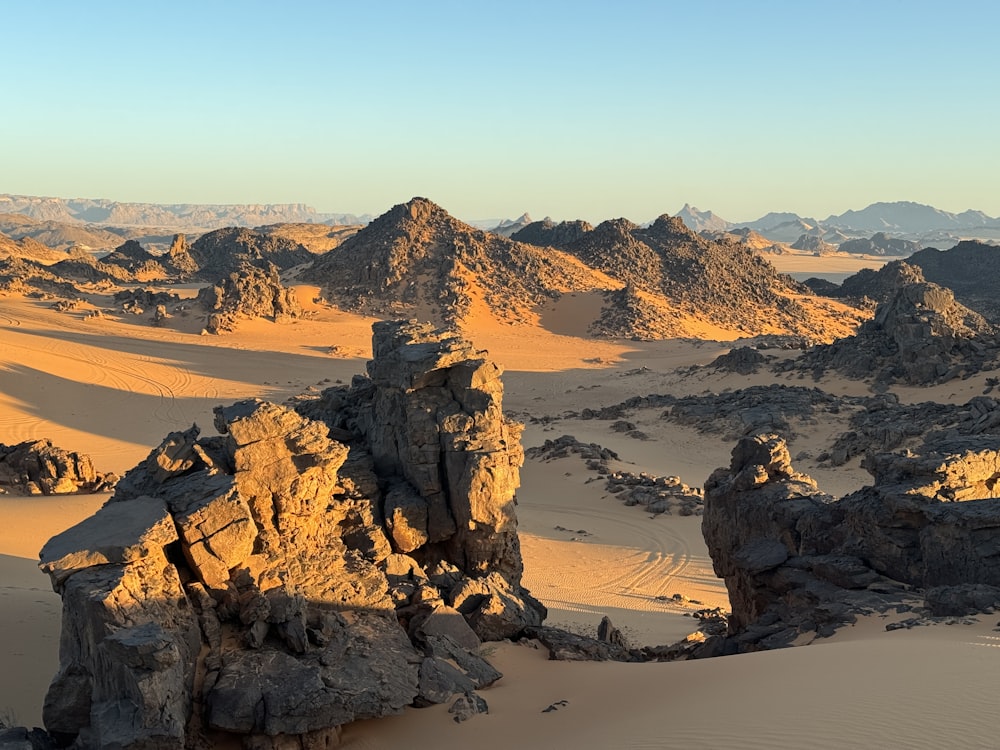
column 902, row 219
column 189, row 217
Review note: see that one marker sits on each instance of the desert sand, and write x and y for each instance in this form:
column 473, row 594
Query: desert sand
column 113, row 388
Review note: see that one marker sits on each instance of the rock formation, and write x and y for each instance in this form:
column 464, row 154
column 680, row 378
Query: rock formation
column 880, row 244
column 970, row 269
column 546, row 233
column 798, row 563
column 217, row 254
column 37, row 467
column 419, row 260
column 725, row 284
column 879, row 286
column 141, row 265
column 289, row 575
column 920, row 336
column 248, row 292
column 813, row 243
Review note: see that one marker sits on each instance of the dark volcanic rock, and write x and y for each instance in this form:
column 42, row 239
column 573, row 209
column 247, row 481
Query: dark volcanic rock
column 724, row 282
column 920, row 336
column 417, row 259
column 796, row 561
column 742, row 360
column 970, row 269
column 217, row 254
column 880, row 244
column 547, row 233
column 138, row 262
column 250, row 584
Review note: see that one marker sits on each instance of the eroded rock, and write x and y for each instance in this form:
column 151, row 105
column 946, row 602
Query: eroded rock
column 275, row 583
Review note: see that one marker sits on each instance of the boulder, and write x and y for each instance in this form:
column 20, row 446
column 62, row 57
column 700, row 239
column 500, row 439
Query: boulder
column 274, row 583
column 796, row 561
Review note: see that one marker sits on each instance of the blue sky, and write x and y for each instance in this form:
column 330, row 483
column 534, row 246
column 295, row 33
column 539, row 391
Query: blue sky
column 569, row 109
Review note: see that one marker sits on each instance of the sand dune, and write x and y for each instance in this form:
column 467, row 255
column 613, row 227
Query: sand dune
column 113, row 388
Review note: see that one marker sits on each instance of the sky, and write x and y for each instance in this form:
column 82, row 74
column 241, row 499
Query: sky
column 578, row 109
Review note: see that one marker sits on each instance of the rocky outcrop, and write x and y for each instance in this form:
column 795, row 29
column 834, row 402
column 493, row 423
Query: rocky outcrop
column 179, row 256
column 134, row 259
column 873, row 285
column 217, row 254
column 880, row 244
column 37, row 467
column 813, row 243
column 920, row 336
column 743, row 360
column 546, row 233
column 798, row 563
column 274, row 582
column 970, row 269
column 248, row 292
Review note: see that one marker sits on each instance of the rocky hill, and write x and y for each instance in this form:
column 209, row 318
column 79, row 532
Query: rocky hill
column 970, row 269
column 919, row 336
column 418, row 260
column 881, row 285
column 316, row 238
column 546, row 233
column 223, row 251
column 659, row 281
column 880, row 244
column 725, row 284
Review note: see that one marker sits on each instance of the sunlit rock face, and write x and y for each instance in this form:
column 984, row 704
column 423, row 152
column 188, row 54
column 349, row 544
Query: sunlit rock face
column 304, row 568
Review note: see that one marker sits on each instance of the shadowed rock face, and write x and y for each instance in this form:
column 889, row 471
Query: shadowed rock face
column 920, row 336
column 796, row 561
column 276, row 583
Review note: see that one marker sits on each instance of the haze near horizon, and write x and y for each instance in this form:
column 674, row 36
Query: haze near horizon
column 568, row 110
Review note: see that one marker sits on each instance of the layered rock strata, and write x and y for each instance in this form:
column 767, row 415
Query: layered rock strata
column 291, row 575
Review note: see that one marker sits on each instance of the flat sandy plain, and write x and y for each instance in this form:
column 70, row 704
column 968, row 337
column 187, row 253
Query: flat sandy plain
column 113, row 387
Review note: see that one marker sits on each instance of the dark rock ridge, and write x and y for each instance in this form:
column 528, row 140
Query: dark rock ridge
column 417, row 259
column 248, row 292
column 920, row 336
column 725, row 283
column 37, row 467
column 217, row 254
column 289, row 576
column 970, row 269
column 813, row 244
column 880, row 285
column 546, row 233
column 798, row 563
column 880, row 244
column 140, row 263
